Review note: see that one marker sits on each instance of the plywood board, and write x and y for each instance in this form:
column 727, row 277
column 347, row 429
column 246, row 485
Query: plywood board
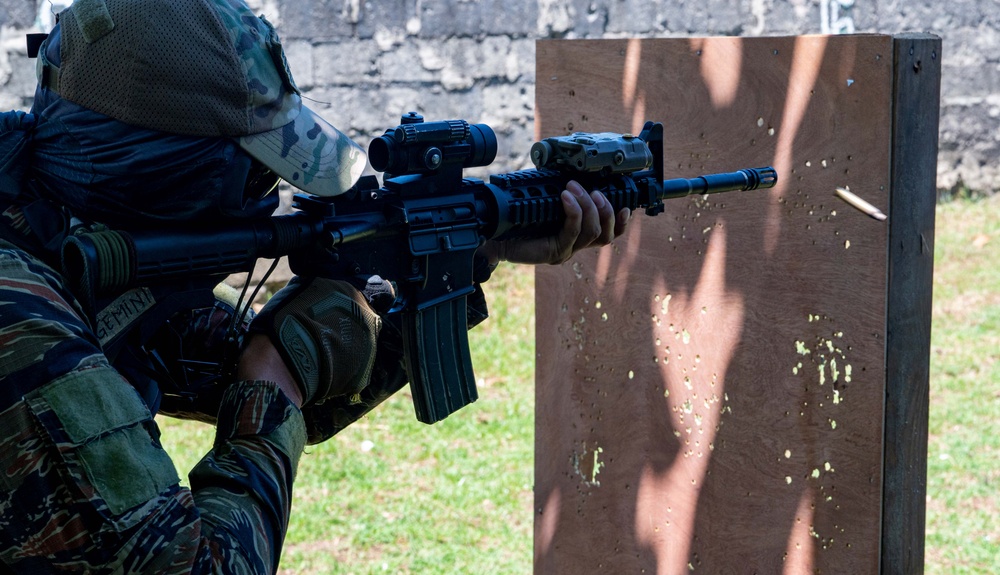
column 710, row 388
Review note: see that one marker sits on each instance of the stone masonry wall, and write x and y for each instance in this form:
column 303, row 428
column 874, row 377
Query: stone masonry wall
column 364, row 63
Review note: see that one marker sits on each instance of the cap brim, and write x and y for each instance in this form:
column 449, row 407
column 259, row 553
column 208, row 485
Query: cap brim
column 309, row 154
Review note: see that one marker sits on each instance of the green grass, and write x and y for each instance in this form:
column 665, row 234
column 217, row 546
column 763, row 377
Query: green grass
column 455, row 497
column 392, row 495
column 963, row 505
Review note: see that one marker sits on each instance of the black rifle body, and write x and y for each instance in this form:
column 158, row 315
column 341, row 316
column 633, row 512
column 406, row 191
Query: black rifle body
column 419, row 229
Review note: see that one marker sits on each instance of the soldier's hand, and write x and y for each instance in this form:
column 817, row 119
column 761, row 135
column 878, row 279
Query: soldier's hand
column 590, row 222
column 325, row 333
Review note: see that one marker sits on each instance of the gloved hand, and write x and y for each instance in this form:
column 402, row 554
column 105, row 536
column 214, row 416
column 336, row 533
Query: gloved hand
column 325, row 420
column 326, row 332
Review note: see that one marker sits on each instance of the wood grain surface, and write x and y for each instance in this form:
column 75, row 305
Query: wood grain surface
column 710, row 388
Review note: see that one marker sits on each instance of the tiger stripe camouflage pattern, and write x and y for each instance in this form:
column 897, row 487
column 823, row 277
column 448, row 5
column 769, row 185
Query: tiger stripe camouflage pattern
column 86, row 485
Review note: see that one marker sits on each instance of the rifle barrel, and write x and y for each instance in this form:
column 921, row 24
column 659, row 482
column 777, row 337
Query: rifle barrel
column 741, row 180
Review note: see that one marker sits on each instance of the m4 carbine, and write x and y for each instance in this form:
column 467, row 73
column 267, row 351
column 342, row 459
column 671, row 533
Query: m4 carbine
column 420, row 229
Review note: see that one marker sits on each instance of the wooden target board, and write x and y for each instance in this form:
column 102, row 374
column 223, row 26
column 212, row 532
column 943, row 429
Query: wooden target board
column 712, row 388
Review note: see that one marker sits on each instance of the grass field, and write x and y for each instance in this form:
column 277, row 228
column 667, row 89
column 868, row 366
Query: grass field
column 963, row 460
column 391, row 495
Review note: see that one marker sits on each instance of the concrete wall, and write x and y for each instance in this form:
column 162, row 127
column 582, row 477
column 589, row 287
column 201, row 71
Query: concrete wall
column 364, row 63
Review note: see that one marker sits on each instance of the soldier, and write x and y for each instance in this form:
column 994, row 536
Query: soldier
column 159, row 113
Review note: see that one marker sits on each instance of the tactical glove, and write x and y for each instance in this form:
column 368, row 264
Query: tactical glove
column 326, row 332
column 325, row 420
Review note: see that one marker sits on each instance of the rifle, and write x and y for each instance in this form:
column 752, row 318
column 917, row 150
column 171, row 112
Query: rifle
column 420, row 229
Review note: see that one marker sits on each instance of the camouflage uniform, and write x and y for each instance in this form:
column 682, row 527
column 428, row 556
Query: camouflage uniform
column 87, row 487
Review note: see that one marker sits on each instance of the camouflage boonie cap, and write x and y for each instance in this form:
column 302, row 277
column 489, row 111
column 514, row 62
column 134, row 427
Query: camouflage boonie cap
column 199, row 68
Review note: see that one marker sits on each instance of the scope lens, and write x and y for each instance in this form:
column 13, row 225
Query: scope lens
column 483, row 141
column 380, row 153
